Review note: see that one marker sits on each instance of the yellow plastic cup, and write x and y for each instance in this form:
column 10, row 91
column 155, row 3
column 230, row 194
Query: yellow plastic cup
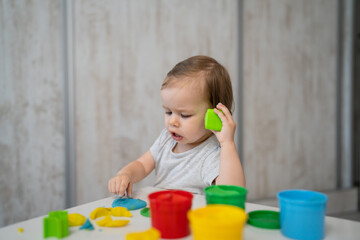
column 215, row 222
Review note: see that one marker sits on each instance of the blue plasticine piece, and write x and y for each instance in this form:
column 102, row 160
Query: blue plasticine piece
column 87, row 225
column 129, row 203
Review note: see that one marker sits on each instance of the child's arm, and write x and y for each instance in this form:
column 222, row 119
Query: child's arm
column 231, row 171
column 130, row 174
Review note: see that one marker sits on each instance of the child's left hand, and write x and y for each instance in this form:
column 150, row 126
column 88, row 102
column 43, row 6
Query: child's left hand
column 226, row 135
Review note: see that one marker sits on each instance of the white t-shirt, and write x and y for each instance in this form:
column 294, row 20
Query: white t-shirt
column 192, row 170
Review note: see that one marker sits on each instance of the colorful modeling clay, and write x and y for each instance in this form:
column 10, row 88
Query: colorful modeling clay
column 107, row 212
column 120, row 212
column 20, row 230
column 145, row 212
column 108, row 222
column 129, row 203
column 87, row 225
column 150, row 234
column 99, row 212
column 76, row 219
column 116, row 212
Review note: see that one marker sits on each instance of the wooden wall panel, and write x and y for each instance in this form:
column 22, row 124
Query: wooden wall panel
column 31, row 110
column 289, row 95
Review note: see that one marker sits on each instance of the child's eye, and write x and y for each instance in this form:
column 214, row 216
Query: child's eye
column 168, row 113
column 185, row 116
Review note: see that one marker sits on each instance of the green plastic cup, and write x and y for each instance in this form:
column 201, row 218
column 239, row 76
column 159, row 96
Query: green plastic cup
column 226, row 194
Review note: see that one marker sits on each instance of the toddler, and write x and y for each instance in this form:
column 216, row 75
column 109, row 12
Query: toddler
column 187, row 156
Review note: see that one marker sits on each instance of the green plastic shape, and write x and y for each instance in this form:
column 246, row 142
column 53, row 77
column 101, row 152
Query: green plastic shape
column 145, row 212
column 56, row 224
column 212, row 120
column 264, row 219
column 226, row 194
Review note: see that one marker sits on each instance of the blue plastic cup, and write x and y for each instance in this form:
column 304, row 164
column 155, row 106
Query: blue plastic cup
column 302, row 214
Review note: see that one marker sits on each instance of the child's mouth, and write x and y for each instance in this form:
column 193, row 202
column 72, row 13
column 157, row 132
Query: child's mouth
column 176, row 137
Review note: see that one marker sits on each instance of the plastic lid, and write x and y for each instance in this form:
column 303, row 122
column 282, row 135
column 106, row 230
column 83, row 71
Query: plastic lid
column 173, row 200
column 264, row 219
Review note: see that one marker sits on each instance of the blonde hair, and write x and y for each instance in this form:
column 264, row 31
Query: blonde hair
column 217, row 80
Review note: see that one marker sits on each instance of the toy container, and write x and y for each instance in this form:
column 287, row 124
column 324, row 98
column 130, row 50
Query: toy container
column 302, row 214
column 169, row 212
column 215, row 222
column 226, row 194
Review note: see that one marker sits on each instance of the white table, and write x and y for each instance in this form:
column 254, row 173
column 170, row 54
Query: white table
column 336, row 228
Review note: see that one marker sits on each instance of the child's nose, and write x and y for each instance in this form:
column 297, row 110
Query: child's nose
column 174, row 121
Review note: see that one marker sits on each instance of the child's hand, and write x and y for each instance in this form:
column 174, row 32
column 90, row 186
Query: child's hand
column 119, row 184
column 228, row 125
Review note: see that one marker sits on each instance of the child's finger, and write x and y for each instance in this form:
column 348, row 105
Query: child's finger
column 227, row 113
column 123, row 187
column 117, row 185
column 223, row 108
column 129, row 190
column 220, row 114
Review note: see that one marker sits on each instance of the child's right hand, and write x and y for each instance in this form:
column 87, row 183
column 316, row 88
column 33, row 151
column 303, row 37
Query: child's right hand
column 228, row 125
column 119, row 184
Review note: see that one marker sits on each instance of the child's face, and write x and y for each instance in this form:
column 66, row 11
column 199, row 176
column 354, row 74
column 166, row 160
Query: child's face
column 185, row 107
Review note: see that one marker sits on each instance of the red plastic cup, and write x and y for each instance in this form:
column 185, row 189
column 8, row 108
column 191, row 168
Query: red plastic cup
column 169, row 212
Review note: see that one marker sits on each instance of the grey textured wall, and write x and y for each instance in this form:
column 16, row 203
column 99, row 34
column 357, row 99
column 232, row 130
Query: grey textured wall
column 31, row 110
column 289, row 95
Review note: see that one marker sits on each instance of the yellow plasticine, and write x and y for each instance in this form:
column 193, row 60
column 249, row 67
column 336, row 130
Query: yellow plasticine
column 99, row 212
column 20, row 230
column 76, row 219
column 150, row 234
column 108, row 222
column 120, row 212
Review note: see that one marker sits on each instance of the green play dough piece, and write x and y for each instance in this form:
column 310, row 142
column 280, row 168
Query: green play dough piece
column 145, row 212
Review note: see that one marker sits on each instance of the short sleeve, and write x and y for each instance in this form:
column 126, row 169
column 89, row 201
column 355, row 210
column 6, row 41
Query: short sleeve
column 158, row 144
column 211, row 167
